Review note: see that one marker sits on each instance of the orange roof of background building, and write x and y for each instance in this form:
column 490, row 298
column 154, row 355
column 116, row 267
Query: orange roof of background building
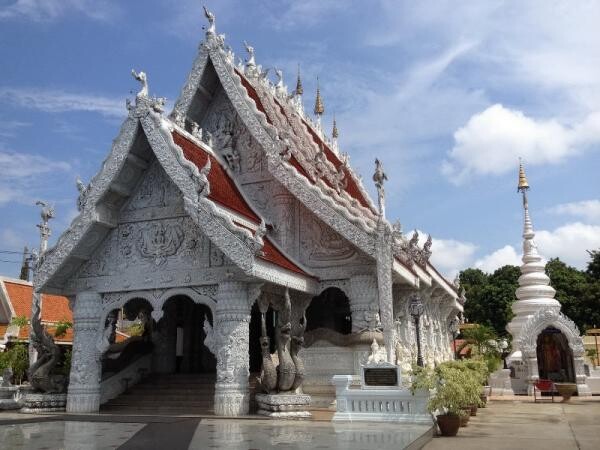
column 54, row 307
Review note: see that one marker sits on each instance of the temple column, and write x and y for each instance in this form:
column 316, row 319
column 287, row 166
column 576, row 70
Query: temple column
column 164, row 337
column 232, row 320
column 363, row 301
column 84, row 385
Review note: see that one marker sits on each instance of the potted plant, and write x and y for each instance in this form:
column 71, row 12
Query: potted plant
column 449, row 398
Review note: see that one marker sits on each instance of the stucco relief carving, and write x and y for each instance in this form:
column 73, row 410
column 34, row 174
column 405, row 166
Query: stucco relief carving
column 159, row 240
column 321, row 245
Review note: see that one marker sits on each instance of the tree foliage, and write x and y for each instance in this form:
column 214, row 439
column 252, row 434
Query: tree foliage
column 490, row 296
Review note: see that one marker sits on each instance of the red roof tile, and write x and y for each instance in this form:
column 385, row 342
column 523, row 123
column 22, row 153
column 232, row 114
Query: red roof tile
column 222, row 188
column 352, row 187
column 271, row 254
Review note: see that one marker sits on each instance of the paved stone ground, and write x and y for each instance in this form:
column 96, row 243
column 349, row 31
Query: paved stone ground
column 518, row 423
column 104, row 432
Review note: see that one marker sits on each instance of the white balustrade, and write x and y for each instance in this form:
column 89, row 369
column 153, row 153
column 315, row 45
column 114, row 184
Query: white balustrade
column 378, row 405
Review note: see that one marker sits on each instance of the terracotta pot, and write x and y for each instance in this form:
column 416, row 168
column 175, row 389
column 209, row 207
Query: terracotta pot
column 484, row 400
column 473, row 411
column 448, row 424
column 464, row 419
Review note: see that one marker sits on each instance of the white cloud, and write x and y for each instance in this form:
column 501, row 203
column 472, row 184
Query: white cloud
column 56, row 101
column 506, row 255
column 49, row 10
column 492, row 141
column 569, row 242
column 23, row 175
column 587, row 209
column 23, row 165
column 450, row 256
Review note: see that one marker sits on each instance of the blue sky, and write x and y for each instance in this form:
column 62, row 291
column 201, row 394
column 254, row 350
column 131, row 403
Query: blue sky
column 447, row 94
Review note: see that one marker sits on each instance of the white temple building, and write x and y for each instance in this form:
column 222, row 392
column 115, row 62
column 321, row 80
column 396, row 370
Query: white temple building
column 210, row 224
column 546, row 343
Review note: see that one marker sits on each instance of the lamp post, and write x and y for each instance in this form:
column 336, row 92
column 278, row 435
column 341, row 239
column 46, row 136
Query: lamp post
column 503, row 346
column 416, row 310
column 454, row 327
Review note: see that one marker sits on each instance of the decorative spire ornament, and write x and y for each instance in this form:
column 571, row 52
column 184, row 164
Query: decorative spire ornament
column 319, row 107
column 334, row 135
column 299, row 88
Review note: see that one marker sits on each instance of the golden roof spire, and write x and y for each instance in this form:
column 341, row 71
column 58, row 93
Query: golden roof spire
column 299, row 88
column 319, row 108
column 335, row 133
column 523, row 184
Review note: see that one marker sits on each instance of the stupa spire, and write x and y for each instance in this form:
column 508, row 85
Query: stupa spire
column 534, row 291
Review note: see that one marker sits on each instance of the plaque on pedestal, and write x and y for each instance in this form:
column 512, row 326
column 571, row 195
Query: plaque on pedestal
column 380, row 375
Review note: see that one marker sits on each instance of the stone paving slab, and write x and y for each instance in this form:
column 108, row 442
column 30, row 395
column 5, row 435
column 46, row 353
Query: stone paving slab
column 518, row 423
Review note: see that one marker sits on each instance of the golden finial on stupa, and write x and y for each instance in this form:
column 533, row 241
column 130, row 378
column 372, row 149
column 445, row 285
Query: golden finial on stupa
column 299, row 88
column 319, row 108
column 335, row 133
column 523, row 184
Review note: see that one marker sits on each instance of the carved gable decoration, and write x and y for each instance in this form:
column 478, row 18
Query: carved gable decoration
column 321, row 246
column 154, row 190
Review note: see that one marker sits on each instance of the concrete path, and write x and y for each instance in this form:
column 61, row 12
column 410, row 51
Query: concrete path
column 518, row 423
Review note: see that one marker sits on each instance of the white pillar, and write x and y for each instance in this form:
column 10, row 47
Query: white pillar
column 232, row 320
column 84, row 385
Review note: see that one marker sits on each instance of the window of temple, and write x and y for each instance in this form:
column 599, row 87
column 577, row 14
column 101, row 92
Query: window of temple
column 330, row 309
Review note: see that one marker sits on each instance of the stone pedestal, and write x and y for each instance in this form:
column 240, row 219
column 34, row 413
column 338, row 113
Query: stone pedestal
column 39, row 403
column 7, row 398
column 284, row 406
column 500, row 383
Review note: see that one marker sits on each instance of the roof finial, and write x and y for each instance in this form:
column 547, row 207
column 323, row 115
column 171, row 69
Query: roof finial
column 335, row 133
column 379, row 177
column 319, row 107
column 211, row 21
column 299, row 88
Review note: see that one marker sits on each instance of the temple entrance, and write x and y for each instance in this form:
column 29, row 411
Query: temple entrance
column 330, row 309
column 554, row 356
column 185, row 320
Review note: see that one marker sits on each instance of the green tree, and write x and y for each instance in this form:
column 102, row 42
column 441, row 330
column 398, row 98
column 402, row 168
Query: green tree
column 489, row 297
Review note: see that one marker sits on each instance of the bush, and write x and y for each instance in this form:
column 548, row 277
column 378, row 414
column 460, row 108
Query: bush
column 61, row 328
column 65, row 367
column 17, row 358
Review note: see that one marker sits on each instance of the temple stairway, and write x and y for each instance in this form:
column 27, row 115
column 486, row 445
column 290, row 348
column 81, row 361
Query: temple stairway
column 165, row 395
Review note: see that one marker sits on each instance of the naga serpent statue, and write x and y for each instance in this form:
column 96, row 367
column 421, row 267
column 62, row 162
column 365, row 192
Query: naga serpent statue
column 286, row 370
column 49, row 355
column 268, row 374
column 289, row 374
column 296, row 345
column 40, row 373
